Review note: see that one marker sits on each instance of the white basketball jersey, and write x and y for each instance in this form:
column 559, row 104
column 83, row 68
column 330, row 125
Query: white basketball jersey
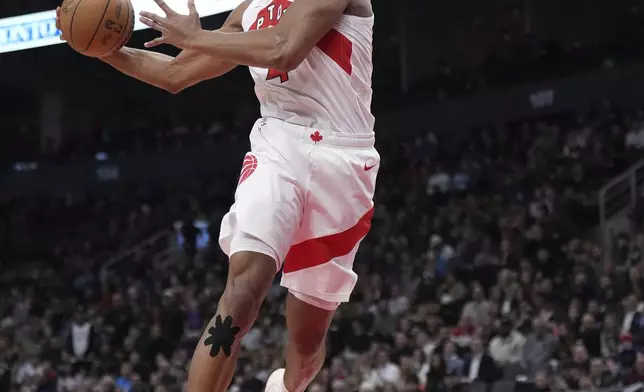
column 331, row 89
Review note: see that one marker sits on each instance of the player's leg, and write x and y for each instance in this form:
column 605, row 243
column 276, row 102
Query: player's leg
column 256, row 234
column 306, row 348
column 213, row 363
column 318, row 270
column 314, row 295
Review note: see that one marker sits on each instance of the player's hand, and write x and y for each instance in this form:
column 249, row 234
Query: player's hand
column 175, row 29
column 62, row 38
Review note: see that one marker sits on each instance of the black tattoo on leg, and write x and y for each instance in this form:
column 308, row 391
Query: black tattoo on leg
column 222, row 336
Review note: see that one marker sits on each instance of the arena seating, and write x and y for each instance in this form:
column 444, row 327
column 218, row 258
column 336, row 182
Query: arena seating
column 482, row 242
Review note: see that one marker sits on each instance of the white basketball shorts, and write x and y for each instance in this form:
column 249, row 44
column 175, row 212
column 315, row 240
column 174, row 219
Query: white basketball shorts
column 308, row 195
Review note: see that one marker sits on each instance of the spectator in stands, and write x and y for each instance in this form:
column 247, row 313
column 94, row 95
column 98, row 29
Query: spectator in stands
column 439, row 182
column 542, row 381
column 478, row 310
column 438, row 378
column 609, row 337
column 637, row 373
column 453, row 362
column 631, row 318
column 480, row 367
column 602, row 373
column 590, row 335
column 124, row 381
column 538, row 348
column 577, row 367
column 507, row 347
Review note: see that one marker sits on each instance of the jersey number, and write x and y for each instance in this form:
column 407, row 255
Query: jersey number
column 335, row 45
column 273, row 73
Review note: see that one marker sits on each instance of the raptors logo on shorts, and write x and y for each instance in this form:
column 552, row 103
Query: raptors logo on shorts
column 248, row 167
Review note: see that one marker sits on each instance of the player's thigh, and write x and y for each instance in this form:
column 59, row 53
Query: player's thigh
column 337, row 216
column 307, row 324
column 267, row 209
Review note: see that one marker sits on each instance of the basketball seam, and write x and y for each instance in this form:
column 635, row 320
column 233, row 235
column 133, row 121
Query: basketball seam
column 121, row 39
column 127, row 37
column 107, row 6
column 71, row 23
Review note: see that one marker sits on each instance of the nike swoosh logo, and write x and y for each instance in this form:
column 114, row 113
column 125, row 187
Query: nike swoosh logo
column 367, row 168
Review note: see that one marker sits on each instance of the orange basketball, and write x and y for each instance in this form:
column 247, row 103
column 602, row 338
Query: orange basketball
column 96, row 27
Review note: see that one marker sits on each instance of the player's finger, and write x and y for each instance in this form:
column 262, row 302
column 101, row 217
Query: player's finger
column 154, row 42
column 153, row 25
column 165, row 7
column 150, row 16
column 61, row 37
column 191, row 7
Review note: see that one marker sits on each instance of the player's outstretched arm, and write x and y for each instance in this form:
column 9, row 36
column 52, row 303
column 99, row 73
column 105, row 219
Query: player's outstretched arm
column 282, row 47
column 172, row 74
column 175, row 74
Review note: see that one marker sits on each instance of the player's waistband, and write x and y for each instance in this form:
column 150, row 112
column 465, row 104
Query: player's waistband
column 320, row 136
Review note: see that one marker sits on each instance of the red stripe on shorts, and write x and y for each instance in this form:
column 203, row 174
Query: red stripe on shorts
column 318, row 251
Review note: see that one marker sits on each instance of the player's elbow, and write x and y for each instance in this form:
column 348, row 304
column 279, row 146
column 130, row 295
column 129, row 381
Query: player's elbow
column 173, row 81
column 174, row 87
column 284, row 57
column 288, row 63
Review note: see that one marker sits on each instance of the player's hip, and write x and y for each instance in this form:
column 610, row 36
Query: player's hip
column 312, row 156
column 277, row 128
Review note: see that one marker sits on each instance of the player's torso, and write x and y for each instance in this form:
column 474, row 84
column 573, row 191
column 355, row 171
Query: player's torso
column 331, row 89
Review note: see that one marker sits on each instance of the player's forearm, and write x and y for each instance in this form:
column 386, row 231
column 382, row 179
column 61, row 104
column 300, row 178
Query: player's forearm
column 146, row 66
column 261, row 48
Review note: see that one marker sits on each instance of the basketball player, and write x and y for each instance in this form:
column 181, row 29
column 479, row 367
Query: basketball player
column 304, row 198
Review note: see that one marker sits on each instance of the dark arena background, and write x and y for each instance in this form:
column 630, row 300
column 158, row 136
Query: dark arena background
column 509, row 210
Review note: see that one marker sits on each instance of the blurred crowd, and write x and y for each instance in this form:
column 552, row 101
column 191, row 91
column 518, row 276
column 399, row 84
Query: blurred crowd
column 481, row 272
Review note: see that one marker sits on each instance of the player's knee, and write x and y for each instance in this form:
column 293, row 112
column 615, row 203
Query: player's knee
column 242, row 305
column 249, row 278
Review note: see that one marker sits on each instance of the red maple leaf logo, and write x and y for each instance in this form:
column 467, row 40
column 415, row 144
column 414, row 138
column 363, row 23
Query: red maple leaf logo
column 316, row 137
